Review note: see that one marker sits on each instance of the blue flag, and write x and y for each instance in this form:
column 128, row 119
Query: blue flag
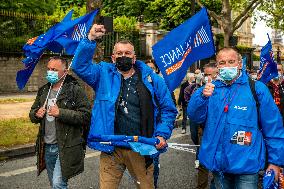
column 184, row 45
column 268, row 180
column 143, row 149
column 142, row 145
column 65, row 35
column 268, row 67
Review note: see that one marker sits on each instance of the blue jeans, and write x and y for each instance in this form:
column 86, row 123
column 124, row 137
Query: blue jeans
column 234, row 181
column 53, row 167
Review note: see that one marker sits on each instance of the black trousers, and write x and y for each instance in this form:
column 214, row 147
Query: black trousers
column 184, row 116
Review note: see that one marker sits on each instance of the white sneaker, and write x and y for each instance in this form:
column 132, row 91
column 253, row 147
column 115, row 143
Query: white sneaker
column 183, row 131
column 196, row 164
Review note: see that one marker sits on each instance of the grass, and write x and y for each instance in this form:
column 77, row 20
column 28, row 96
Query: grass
column 17, row 131
column 15, row 100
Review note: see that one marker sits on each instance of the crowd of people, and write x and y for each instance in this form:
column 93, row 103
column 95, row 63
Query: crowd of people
column 236, row 120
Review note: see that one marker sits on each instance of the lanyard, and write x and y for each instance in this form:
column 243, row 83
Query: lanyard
column 228, row 100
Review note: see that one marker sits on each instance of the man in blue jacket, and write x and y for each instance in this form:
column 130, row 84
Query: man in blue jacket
column 234, row 142
column 127, row 96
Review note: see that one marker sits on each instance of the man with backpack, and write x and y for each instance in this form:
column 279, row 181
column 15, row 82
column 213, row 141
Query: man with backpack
column 238, row 129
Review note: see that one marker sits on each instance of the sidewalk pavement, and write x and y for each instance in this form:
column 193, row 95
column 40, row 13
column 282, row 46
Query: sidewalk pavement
column 29, row 149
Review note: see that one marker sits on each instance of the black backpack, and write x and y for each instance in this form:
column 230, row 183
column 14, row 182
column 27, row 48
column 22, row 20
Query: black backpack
column 252, row 88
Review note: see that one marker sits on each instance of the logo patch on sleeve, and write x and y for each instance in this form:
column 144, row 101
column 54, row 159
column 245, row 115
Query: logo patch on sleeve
column 241, row 138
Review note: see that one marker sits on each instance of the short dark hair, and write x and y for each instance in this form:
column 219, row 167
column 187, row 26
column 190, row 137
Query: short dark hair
column 124, row 41
column 63, row 60
column 209, row 65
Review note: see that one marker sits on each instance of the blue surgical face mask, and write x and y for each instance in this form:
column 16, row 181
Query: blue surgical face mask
column 228, row 73
column 52, row 77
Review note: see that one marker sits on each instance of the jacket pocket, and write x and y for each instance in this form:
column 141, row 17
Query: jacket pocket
column 242, row 150
column 74, row 154
column 242, row 131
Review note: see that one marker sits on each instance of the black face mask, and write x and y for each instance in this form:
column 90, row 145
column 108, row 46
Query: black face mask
column 123, row 63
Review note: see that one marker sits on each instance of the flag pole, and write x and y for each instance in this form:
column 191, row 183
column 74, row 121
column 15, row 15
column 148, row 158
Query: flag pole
column 59, row 90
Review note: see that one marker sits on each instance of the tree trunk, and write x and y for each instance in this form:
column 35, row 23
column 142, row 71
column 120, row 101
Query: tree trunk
column 227, row 21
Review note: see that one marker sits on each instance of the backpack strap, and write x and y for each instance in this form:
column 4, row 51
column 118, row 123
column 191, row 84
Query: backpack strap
column 253, row 91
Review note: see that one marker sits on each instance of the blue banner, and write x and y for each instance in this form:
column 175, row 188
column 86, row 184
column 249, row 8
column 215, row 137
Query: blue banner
column 268, row 67
column 65, row 35
column 184, row 45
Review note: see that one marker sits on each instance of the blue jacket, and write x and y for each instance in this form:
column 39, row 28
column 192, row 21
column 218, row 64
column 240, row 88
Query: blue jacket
column 106, row 82
column 223, row 148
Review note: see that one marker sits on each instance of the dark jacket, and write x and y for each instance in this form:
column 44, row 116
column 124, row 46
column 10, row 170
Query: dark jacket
column 281, row 94
column 74, row 117
column 181, row 100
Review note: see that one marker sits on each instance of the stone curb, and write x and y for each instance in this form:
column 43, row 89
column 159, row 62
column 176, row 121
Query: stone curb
column 18, row 151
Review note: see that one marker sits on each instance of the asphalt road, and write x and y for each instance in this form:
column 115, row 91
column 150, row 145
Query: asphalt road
column 177, row 171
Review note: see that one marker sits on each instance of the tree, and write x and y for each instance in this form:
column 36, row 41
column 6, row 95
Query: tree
column 29, row 6
column 167, row 13
column 125, row 24
column 171, row 13
column 244, row 9
column 132, row 8
column 274, row 10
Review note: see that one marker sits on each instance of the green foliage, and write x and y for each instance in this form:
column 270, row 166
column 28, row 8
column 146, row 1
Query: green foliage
column 255, row 57
column 127, row 8
column 219, row 40
column 167, row 13
column 59, row 13
column 17, row 131
column 275, row 13
column 66, row 4
column 125, row 24
column 29, row 6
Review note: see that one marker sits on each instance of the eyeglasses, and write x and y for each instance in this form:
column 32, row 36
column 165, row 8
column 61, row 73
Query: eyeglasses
column 229, row 62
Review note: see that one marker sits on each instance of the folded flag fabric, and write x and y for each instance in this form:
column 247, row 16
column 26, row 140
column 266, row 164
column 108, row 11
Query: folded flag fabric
column 65, row 35
column 142, row 145
column 189, row 42
column 143, row 149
